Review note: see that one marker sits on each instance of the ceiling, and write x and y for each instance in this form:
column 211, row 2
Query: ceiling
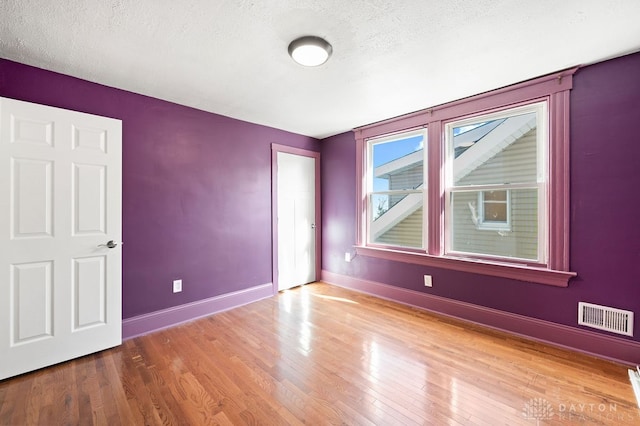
column 389, row 57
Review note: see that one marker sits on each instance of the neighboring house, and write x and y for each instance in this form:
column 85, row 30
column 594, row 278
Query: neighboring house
column 500, row 222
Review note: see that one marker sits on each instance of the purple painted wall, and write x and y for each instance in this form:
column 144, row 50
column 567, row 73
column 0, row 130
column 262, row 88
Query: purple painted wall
column 196, row 189
column 605, row 229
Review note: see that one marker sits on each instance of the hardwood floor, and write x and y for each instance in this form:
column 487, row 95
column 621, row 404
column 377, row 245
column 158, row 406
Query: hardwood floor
column 324, row 355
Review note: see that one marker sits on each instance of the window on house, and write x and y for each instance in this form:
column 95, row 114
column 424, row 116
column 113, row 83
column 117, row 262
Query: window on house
column 395, row 185
column 494, row 210
column 482, row 187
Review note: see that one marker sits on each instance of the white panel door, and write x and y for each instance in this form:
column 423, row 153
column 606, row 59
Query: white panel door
column 296, row 220
column 60, row 228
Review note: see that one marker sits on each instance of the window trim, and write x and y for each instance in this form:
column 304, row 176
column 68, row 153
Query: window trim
column 555, row 89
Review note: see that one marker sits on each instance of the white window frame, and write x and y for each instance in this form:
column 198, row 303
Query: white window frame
column 369, row 177
column 540, row 108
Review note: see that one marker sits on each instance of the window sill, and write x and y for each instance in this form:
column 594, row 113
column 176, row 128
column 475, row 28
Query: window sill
column 495, row 269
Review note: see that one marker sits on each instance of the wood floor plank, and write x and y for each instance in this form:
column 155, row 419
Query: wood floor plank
column 324, row 355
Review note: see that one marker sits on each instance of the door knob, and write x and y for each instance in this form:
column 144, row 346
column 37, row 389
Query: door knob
column 110, row 244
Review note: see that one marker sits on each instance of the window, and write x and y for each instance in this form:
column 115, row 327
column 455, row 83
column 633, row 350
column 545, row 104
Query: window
column 495, row 184
column 395, row 190
column 478, row 185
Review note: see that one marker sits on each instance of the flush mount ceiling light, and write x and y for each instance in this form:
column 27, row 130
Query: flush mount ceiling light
column 310, row 51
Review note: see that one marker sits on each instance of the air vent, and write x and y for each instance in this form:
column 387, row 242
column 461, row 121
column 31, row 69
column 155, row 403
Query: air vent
column 605, row 318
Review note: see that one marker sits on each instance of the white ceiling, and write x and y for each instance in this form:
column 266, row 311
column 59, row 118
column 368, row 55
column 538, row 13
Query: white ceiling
column 389, row 57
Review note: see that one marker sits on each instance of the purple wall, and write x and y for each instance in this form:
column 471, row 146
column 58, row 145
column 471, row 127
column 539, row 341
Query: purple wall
column 605, row 224
column 197, row 199
column 196, row 189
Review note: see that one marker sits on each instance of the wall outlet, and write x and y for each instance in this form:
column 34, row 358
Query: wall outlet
column 177, row 286
column 427, row 281
column 348, row 257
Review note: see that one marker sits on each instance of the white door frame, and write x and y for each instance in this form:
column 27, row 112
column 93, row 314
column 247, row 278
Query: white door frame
column 275, row 149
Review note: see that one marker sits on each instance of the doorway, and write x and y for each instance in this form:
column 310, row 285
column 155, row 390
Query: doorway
column 296, row 216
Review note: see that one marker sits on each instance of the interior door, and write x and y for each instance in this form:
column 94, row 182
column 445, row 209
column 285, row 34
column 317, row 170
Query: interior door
column 296, row 213
column 60, row 229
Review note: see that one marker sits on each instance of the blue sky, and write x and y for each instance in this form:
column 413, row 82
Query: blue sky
column 385, row 152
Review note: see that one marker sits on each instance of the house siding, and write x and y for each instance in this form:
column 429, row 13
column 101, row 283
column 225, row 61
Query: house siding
column 407, row 179
column 515, row 164
column 407, row 233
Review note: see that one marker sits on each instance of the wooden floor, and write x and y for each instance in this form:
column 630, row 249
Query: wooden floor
column 324, row 355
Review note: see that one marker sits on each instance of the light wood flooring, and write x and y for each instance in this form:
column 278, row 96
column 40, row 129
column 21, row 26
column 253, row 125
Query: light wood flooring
column 320, row 355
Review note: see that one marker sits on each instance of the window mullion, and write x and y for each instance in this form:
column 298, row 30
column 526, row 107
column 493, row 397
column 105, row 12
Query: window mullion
column 397, row 192
column 433, row 221
column 493, row 187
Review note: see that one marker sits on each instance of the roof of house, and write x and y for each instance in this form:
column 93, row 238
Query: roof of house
column 495, row 135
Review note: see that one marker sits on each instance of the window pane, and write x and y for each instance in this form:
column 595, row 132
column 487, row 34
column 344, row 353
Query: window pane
column 495, row 212
column 496, row 151
column 397, row 165
column 495, row 196
column 520, row 240
column 396, row 179
column 379, row 205
column 400, row 224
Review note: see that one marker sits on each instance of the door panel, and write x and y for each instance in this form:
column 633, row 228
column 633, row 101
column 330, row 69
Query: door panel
column 31, row 316
column 32, row 188
column 89, row 199
column 90, row 140
column 60, row 202
column 31, row 131
column 90, row 296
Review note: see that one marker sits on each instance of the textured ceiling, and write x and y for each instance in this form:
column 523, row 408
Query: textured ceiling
column 389, row 57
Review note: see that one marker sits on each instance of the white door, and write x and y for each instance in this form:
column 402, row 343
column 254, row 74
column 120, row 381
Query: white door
column 60, row 206
column 296, row 220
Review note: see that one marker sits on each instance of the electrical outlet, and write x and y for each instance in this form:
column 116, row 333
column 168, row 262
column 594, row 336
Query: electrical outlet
column 348, row 257
column 177, row 286
column 427, row 281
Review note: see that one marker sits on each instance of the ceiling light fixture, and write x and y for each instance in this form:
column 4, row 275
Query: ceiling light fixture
column 310, row 51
